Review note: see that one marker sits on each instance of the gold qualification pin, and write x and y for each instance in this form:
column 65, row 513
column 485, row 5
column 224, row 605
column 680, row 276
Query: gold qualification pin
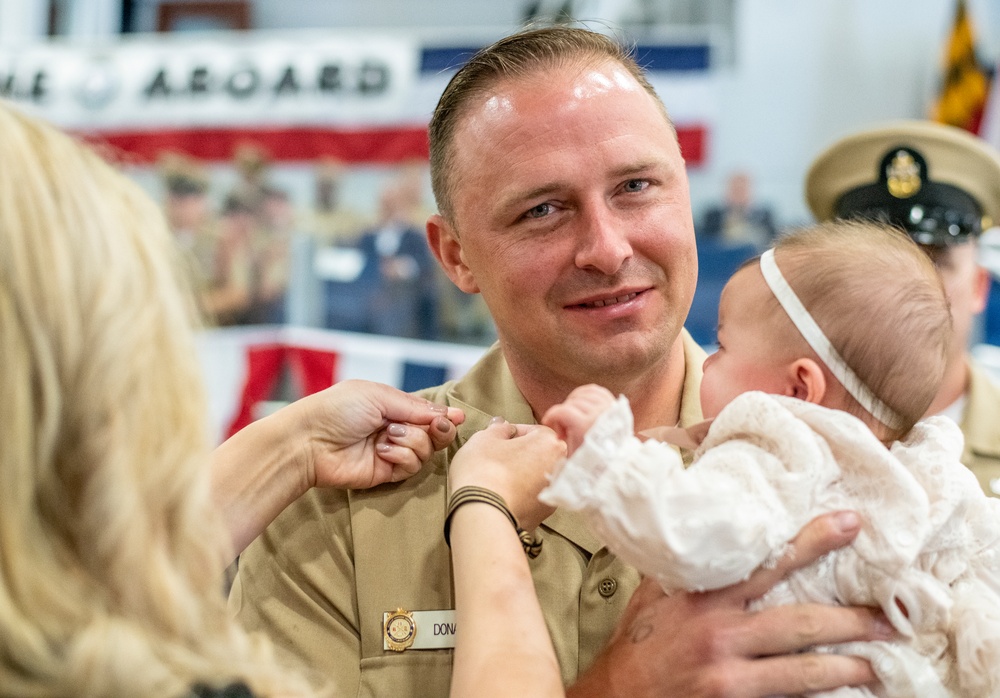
column 398, row 630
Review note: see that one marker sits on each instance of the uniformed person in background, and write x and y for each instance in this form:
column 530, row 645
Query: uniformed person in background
column 271, row 251
column 332, row 220
column 189, row 214
column 942, row 185
column 228, row 299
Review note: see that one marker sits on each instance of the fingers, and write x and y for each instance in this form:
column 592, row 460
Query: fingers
column 796, row 675
column 442, row 431
column 820, row 536
column 571, row 418
column 503, row 426
column 397, row 406
column 790, row 629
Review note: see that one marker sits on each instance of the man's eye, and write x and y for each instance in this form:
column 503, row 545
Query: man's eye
column 539, row 211
column 634, row 185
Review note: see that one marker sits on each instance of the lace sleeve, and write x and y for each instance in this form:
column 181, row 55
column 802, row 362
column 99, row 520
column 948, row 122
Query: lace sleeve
column 702, row 528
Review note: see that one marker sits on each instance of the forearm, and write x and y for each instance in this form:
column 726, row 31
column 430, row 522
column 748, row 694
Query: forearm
column 503, row 646
column 256, row 474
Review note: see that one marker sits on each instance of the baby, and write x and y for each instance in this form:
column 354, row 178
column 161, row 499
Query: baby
column 831, row 349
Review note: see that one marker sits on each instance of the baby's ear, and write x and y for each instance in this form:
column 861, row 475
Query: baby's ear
column 807, row 381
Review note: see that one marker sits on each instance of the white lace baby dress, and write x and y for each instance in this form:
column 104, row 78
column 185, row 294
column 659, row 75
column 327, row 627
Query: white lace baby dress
column 928, row 553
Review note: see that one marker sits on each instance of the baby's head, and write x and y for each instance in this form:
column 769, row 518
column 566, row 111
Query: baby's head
column 873, row 294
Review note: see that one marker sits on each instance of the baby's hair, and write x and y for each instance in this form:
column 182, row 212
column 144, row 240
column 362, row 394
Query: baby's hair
column 879, row 300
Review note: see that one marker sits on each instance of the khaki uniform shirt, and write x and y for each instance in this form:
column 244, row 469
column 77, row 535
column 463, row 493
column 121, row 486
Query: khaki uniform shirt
column 319, row 579
column 981, row 427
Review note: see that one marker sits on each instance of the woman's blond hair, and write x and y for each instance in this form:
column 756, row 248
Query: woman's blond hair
column 110, row 552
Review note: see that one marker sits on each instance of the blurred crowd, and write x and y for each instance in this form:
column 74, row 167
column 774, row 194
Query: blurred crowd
column 254, row 258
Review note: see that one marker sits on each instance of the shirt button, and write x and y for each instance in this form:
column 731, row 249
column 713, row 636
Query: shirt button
column 607, row 588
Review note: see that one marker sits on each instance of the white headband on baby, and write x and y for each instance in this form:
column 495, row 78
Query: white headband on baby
column 828, row 354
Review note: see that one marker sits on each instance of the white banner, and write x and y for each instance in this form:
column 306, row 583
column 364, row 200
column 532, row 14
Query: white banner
column 224, row 79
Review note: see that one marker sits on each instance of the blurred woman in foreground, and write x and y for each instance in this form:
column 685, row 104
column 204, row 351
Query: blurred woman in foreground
column 112, row 540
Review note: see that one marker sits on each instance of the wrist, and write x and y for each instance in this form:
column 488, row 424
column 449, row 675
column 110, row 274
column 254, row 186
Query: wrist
column 293, row 428
column 470, row 495
column 290, row 445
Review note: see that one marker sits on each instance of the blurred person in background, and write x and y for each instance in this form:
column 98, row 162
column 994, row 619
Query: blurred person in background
column 271, row 257
column 739, row 219
column 189, row 215
column 228, row 299
column 253, row 169
column 399, row 273
column 942, row 185
column 332, row 221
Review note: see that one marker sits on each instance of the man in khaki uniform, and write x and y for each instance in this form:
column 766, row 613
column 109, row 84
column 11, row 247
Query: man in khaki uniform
column 188, row 212
column 942, row 185
column 563, row 200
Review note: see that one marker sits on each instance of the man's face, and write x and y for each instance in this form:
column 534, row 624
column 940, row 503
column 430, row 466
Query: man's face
column 572, row 218
column 752, row 349
column 186, row 211
column 966, row 285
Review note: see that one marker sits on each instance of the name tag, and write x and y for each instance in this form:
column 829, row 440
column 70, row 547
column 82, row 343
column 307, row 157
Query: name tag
column 418, row 630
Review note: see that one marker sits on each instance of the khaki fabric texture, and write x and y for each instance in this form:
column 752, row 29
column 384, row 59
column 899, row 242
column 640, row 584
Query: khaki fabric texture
column 318, row 580
column 981, row 427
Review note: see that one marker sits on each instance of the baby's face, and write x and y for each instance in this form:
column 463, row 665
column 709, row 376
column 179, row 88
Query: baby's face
column 750, row 356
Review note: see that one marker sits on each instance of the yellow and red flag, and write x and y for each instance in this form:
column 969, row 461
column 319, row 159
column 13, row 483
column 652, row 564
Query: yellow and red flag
column 966, row 83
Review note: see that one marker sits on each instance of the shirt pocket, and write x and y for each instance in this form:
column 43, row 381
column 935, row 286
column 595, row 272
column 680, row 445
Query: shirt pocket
column 408, row 674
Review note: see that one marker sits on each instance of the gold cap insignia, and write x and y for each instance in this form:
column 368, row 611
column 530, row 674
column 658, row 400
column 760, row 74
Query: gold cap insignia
column 903, row 175
column 398, row 630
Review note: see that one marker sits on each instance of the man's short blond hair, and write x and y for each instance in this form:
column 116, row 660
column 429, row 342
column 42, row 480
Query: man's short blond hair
column 517, row 56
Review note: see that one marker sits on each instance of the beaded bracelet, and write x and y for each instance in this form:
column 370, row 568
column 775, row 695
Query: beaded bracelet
column 470, row 493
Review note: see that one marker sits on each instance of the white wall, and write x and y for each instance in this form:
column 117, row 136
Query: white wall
column 805, row 73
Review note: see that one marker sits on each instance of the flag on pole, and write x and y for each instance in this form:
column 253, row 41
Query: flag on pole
column 965, row 84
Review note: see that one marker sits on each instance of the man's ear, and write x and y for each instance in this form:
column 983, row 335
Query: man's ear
column 447, row 248
column 980, row 289
column 807, row 380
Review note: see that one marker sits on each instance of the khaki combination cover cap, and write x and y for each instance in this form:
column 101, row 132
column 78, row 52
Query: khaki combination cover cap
column 953, row 156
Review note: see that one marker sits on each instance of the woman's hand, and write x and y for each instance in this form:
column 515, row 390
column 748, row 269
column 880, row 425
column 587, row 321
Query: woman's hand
column 355, row 434
column 361, row 434
column 514, row 461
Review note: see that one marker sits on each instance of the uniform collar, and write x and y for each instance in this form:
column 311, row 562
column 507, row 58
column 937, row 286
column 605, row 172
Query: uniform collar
column 488, row 389
column 979, row 422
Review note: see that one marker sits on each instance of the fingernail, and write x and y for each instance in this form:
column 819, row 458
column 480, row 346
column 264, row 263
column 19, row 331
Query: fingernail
column 442, row 425
column 397, row 430
column 497, row 420
column 847, row 521
column 434, row 407
column 383, row 447
column 883, row 628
